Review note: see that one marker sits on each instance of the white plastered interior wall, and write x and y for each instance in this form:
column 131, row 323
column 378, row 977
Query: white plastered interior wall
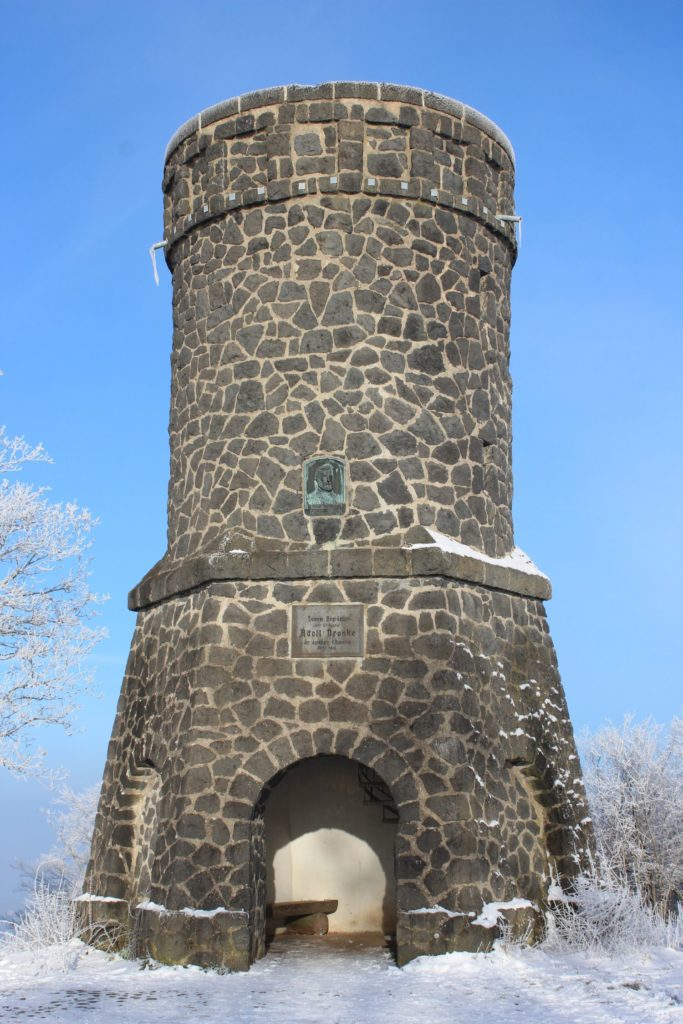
column 324, row 841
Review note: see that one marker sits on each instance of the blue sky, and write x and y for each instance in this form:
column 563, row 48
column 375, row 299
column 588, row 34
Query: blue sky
column 590, row 95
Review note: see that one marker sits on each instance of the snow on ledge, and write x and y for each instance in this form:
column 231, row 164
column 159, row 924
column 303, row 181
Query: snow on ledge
column 491, row 912
column 438, row 909
column 216, row 557
column 89, row 897
column 517, row 559
column 190, row 912
column 157, row 908
column 149, row 905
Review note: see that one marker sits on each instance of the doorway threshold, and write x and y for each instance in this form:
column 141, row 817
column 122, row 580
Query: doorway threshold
column 372, row 946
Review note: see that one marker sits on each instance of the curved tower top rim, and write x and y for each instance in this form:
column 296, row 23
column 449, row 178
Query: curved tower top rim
column 383, row 92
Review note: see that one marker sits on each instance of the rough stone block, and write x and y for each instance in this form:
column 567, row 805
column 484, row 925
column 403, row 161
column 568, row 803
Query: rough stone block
column 400, row 93
column 261, row 98
column 104, row 923
column 356, row 90
column 220, row 111
column 297, row 93
column 309, row 924
column 433, row 932
column 207, row 939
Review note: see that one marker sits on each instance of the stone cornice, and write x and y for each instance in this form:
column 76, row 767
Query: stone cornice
column 161, row 583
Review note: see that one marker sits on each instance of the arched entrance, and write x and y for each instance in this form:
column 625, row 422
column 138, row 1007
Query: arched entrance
column 329, row 830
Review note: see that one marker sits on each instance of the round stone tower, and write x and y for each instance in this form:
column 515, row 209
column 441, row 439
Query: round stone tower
column 341, row 608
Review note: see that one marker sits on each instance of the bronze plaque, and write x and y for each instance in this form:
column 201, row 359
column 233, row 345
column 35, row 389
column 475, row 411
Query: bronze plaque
column 328, row 631
column 324, row 486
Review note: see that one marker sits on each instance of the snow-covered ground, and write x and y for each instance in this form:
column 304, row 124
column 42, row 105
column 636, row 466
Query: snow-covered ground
column 336, row 982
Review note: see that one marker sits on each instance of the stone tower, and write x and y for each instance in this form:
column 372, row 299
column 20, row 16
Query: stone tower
column 341, row 683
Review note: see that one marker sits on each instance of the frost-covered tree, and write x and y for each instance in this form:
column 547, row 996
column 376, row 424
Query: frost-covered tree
column 72, row 818
column 50, row 918
column 634, row 779
column 46, row 607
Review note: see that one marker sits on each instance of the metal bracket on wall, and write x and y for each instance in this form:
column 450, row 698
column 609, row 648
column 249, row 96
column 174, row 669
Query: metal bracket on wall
column 153, row 256
column 514, row 219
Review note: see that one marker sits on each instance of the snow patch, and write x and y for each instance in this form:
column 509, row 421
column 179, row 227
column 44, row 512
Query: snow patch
column 536, row 986
column 149, row 905
column 438, row 909
column 517, row 559
column 491, row 912
column 216, row 556
column 88, row 897
column 187, row 911
column 190, row 912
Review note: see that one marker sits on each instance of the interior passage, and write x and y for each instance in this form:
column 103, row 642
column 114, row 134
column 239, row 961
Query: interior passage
column 330, row 830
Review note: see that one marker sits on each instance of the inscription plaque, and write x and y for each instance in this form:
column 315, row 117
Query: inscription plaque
column 328, row 631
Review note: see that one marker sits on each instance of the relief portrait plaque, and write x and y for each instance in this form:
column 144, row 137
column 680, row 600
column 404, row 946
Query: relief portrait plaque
column 328, row 631
column 324, row 486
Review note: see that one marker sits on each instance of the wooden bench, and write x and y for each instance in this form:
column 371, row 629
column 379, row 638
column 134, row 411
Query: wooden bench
column 301, row 917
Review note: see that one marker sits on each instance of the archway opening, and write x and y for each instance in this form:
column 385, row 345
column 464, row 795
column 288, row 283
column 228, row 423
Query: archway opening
column 330, row 830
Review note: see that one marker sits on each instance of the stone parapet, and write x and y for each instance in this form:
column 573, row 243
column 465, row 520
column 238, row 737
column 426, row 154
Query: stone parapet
column 327, row 91
column 291, row 142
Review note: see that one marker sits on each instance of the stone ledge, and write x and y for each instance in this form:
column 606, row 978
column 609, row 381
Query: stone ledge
column 433, row 931
column 215, row 938
column 220, row 938
column 384, row 92
column 161, row 583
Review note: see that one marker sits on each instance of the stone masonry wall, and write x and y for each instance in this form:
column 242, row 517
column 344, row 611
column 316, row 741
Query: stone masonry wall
column 351, row 298
column 457, row 695
column 341, row 259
